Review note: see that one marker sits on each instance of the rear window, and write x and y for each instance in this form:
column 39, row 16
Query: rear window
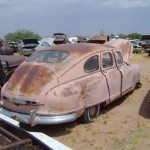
column 53, row 56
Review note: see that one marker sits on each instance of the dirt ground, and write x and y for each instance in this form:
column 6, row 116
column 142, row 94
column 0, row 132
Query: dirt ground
column 122, row 125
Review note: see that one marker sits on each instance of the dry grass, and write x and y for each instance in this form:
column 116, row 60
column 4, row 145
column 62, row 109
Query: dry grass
column 137, row 57
column 132, row 140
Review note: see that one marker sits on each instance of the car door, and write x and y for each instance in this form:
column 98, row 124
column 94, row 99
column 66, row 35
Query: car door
column 86, row 84
column 112, row 74
column 126, row 73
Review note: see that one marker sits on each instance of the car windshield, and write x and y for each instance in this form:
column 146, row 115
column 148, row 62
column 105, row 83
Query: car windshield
column 51, row 56
column 134, row 42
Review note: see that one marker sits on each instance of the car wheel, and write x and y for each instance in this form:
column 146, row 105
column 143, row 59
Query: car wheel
column 138, row 85
column 90, row 114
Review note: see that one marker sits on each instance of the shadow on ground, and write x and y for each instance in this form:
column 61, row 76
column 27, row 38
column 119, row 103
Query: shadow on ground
column 114, row 104
column 65, row 129
column 145, row 106
column 52, row 130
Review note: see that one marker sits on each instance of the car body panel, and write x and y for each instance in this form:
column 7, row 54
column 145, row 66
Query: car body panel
column 7, row 66
column 64, row 89
column 124, row 46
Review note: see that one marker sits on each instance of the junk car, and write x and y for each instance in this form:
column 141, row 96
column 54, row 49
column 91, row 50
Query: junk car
column 145, row 43
column 8, row 64
column 15, row 46
column 69, row 81
column 60, row 38
column 136, row 47
column 28, row 47
column 6, row 49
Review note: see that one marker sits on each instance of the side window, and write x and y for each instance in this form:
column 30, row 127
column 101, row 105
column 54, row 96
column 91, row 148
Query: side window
column 107, row 60
column 118, row 57
column 91, row 64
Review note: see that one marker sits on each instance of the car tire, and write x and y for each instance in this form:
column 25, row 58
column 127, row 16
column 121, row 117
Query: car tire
column 90, row 114
column 138, row 85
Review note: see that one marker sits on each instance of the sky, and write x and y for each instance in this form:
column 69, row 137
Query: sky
column 75, row 17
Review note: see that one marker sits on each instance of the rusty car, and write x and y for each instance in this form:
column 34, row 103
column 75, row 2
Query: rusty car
column 8, row 64
column 6, row 49
column 66, row 82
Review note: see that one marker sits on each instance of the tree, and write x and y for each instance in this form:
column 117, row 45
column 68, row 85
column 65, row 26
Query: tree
column 123, row 36
column 134, row 35
column 22, row 34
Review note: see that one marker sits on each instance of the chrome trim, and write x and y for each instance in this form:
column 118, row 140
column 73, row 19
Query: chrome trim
column 21, row 101
column 33, row 118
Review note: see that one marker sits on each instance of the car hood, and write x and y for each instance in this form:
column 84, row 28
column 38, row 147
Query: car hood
column 30, row 82
column 124, row 46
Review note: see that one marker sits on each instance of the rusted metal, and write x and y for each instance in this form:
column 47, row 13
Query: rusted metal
column 27, row 75
column 8, row 134
column 13, row 137
column 26, row 143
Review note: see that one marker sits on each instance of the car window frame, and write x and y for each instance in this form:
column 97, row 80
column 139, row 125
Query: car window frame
column 28, row 60
column 112, row 58
column 120, row 57
column 93, row 70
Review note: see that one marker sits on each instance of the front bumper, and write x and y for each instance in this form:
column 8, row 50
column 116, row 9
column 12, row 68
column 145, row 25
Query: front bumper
column 33, row 118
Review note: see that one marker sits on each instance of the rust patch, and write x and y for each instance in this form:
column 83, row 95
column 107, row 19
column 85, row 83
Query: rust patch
column 36, row 78
column 30, row 78
column 18, row 76
column 67, row 92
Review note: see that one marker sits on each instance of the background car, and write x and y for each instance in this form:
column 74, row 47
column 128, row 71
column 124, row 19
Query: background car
column 1, row 43
column 41, row 45
column 145, row 43
column 60, row 38
column 28, row 46
column 8, row 64
column 14, row 45
column 136, row 47
column 6, row 49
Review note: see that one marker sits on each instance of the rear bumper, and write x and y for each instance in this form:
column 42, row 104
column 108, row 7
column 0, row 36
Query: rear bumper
column 26, row 52
column 33, row 118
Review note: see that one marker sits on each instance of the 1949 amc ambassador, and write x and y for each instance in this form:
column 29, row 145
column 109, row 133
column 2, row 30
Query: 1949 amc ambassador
column 69, row 81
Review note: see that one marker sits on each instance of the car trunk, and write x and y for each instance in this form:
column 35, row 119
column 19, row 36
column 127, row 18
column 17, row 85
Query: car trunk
column 30, row 43
column 27, row 88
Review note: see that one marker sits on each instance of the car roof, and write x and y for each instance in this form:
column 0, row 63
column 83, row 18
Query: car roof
column 86, row 49
column 81, row 48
